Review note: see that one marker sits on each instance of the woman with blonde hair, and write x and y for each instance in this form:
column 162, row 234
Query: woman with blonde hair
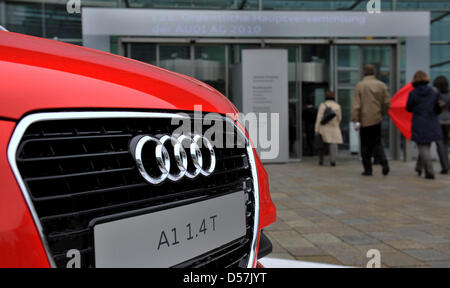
column 327, row 126
column 423, row 104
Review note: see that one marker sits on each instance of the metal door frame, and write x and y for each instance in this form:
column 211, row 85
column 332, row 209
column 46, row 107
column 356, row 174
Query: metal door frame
column 394, row 78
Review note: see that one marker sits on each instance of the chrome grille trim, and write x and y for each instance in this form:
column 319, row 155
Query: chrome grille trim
column 44, row 116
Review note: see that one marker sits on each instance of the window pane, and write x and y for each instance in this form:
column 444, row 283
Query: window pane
column 439, row 29
column 144, row 52
column 439, row 54
column 440, row 70
column 210, row 66
column 380, row 56
column 25, row 18
column 348, row 77
column 348, row 56
column 176, row 58
column 59, row 23
column 421, row 4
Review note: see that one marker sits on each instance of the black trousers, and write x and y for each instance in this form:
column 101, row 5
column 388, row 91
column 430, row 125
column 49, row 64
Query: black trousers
column 310, row 142
column 371, row 146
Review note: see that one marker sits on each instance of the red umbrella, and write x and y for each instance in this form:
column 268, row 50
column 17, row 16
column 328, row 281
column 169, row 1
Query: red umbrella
column 401, row 118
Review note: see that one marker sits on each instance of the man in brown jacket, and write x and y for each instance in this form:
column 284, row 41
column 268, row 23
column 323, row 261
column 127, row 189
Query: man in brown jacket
column 370, row 104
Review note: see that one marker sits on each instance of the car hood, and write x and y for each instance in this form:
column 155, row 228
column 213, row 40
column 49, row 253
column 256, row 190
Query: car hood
column 41, row 74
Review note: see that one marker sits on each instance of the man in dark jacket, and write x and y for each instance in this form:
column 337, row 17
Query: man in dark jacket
column 422, row 103
column 370, row 104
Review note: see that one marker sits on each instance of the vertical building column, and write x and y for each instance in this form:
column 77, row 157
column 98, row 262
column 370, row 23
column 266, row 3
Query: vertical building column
column 417, row 55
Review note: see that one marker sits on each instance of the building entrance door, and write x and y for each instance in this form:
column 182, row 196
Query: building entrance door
column 314, row 67
column 308, row 74
column 350, row 59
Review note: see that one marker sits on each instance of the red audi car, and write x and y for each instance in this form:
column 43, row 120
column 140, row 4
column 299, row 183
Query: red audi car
column 94, row 175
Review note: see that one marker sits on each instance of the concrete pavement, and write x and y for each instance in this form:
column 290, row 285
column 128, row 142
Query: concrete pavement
column 334, row 215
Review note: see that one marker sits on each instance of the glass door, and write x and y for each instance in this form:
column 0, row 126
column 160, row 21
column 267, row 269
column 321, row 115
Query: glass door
column 145, row 52
column 177, row 58
column 315, row 63
column 380, row 56
column 350, row 60
column 348, row 75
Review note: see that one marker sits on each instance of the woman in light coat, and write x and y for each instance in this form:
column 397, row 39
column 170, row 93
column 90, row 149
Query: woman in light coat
column 330, row 132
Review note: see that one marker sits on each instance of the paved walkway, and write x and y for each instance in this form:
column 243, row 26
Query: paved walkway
column 335, row 215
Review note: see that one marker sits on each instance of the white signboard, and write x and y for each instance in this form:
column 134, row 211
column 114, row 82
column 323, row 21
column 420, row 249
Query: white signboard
column 265, row 96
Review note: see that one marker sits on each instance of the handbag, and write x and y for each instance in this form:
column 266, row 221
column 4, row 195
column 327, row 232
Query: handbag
column 328, row 115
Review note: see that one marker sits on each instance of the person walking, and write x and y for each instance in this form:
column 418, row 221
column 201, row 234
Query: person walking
column 327, row 126
column 423, row 104
column 441, row 85
column 370, row 104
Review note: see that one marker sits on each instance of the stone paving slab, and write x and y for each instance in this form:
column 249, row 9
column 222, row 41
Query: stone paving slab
column 334, row 215
column 440, row 264
column 428, row 255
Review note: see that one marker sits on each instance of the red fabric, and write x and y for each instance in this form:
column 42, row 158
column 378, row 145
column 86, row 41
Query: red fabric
column 401, row 118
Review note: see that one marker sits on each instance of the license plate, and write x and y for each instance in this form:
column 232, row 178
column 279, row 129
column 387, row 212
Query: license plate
column 169, row 237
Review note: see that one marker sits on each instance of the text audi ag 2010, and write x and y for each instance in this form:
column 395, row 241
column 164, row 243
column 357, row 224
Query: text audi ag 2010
column 95, row 174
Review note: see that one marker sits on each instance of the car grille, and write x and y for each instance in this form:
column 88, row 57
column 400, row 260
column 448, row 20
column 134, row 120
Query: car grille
column 76, row 171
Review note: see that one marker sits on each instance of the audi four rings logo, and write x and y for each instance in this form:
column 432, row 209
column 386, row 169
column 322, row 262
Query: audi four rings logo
column 163, row 156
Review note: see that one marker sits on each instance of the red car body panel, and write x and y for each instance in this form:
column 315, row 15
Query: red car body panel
column 20, row 244
column 86, row 78
column 38, row 74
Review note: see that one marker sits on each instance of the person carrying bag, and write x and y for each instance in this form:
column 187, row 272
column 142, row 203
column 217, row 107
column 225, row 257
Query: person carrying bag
column 327, row 128
column 328, row 115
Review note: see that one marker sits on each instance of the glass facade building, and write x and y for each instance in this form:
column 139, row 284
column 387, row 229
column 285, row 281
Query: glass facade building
column 49, row 18
column 215, row 62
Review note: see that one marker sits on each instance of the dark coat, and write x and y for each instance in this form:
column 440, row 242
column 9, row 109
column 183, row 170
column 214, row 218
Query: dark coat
column 309, row 116
column 422, row 102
